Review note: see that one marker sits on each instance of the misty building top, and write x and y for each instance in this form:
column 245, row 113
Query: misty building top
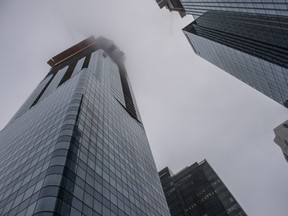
column 84, row 49
column 100, row 43
column 172, row 5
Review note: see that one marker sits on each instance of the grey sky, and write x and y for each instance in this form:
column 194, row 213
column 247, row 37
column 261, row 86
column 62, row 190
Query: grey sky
column 191, row 109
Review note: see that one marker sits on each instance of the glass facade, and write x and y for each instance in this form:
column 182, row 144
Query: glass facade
column 198, row 191
column 172, row 5
column 77, row 145
column 252, row 48
column 269, row 7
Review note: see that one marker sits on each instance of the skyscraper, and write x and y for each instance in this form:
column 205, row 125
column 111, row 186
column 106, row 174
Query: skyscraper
column 198, row 191
column 77, row 145
column 246, row 39
column 252, row 48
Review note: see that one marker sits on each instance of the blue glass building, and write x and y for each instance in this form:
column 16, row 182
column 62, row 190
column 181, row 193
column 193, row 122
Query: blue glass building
column 198, row 191
column 77, row 146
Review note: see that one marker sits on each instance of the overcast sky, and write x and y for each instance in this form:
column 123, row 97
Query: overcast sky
column 191, row 109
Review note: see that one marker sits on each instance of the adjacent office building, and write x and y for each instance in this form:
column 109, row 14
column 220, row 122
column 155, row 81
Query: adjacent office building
column 198, row 191
column 281, row 138
column 252, row 48
column 77, row 146
column 247, row 39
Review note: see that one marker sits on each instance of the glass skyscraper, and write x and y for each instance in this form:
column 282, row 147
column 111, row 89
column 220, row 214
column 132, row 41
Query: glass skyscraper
column 77, row 146
column 198, row 191
column 252, row 48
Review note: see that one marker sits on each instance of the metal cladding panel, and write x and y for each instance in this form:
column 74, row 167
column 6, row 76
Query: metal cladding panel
column 71, row 51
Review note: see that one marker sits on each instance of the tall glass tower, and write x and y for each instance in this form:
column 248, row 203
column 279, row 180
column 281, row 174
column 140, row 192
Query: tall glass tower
column 77, row 146
column 252, row 48
column 198, row 191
